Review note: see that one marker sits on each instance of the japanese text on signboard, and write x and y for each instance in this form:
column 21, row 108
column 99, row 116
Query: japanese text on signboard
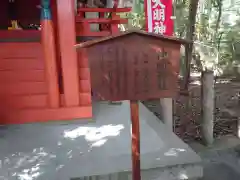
column 137, row 74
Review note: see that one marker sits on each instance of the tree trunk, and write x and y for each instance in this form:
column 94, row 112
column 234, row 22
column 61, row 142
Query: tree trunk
column 219, row 6
column 219, row 16
column 190, row 36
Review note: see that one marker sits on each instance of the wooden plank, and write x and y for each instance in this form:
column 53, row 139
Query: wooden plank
column 46, row 115
column 94, row 34
column 23, row 88
column 101, row 20
column 20, row 49
column 82, row 58
column 126, row 9
column 24, row 102
column 134, row 67
column 19, row 40
column 15, row 56
column 84, row 86
column 114, row 26
column 67, row 36
column 84, row 73
column 19, row 76
column 17, row 34
column 24, row 63
column 85, row 99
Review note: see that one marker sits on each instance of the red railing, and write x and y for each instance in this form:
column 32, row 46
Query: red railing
column 108, row 25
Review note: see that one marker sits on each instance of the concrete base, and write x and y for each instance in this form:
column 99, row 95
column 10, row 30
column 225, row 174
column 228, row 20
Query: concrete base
column 172, row 173
column 101, row 148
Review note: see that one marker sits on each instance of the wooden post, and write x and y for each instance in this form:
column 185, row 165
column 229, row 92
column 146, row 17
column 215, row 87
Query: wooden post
column 136, row 170
column 49, row 51
column 67, row 37
column 167, row 112
column 207, row 106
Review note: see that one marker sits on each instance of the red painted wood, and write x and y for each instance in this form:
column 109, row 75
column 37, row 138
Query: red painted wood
column 20, row 64
column 67, row 36
column 101, row 14
column 82, row 58
column 83, row 24
column 51, row 71
column 45, row 115
column 24, row 97
column 93, row 34
column 102, row 26
column 138, row 61
column 20, row 76
column 104, row 9
column 85, row 86
column 23, row 88
column 114, row 27
column 85, row 99
column 136, row 171
column 27, row 50
column 102, row 20
column 29, row 34
column 57, row 45
column 24, row 102
column 84, row 73
column 84, row 76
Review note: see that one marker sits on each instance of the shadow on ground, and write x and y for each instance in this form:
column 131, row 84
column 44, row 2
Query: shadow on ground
column 221, row 163
column 219, row 171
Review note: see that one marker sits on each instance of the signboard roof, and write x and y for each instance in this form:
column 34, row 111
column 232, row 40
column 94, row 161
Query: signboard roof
column 139, row 32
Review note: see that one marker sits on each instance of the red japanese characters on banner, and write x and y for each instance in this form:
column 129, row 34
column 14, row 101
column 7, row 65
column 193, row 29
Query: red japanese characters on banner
column 158, row 16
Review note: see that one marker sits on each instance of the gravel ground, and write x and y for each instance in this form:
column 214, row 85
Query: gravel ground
column 187, row 111
column 219, row 171
column 221, row 165
column 221, row 161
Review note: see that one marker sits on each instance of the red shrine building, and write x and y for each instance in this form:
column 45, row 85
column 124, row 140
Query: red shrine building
column 42, row 75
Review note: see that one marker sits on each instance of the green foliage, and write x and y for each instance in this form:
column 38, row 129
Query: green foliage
column 136, row 18
column 217, row 30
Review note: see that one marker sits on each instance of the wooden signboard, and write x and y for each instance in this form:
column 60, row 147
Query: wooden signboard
column 133, row 66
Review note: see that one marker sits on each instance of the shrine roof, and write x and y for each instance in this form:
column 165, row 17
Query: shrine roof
column 139, row 32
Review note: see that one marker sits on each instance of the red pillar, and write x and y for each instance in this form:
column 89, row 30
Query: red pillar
column 67, row 40
column 49, row 50
column 58, row 54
